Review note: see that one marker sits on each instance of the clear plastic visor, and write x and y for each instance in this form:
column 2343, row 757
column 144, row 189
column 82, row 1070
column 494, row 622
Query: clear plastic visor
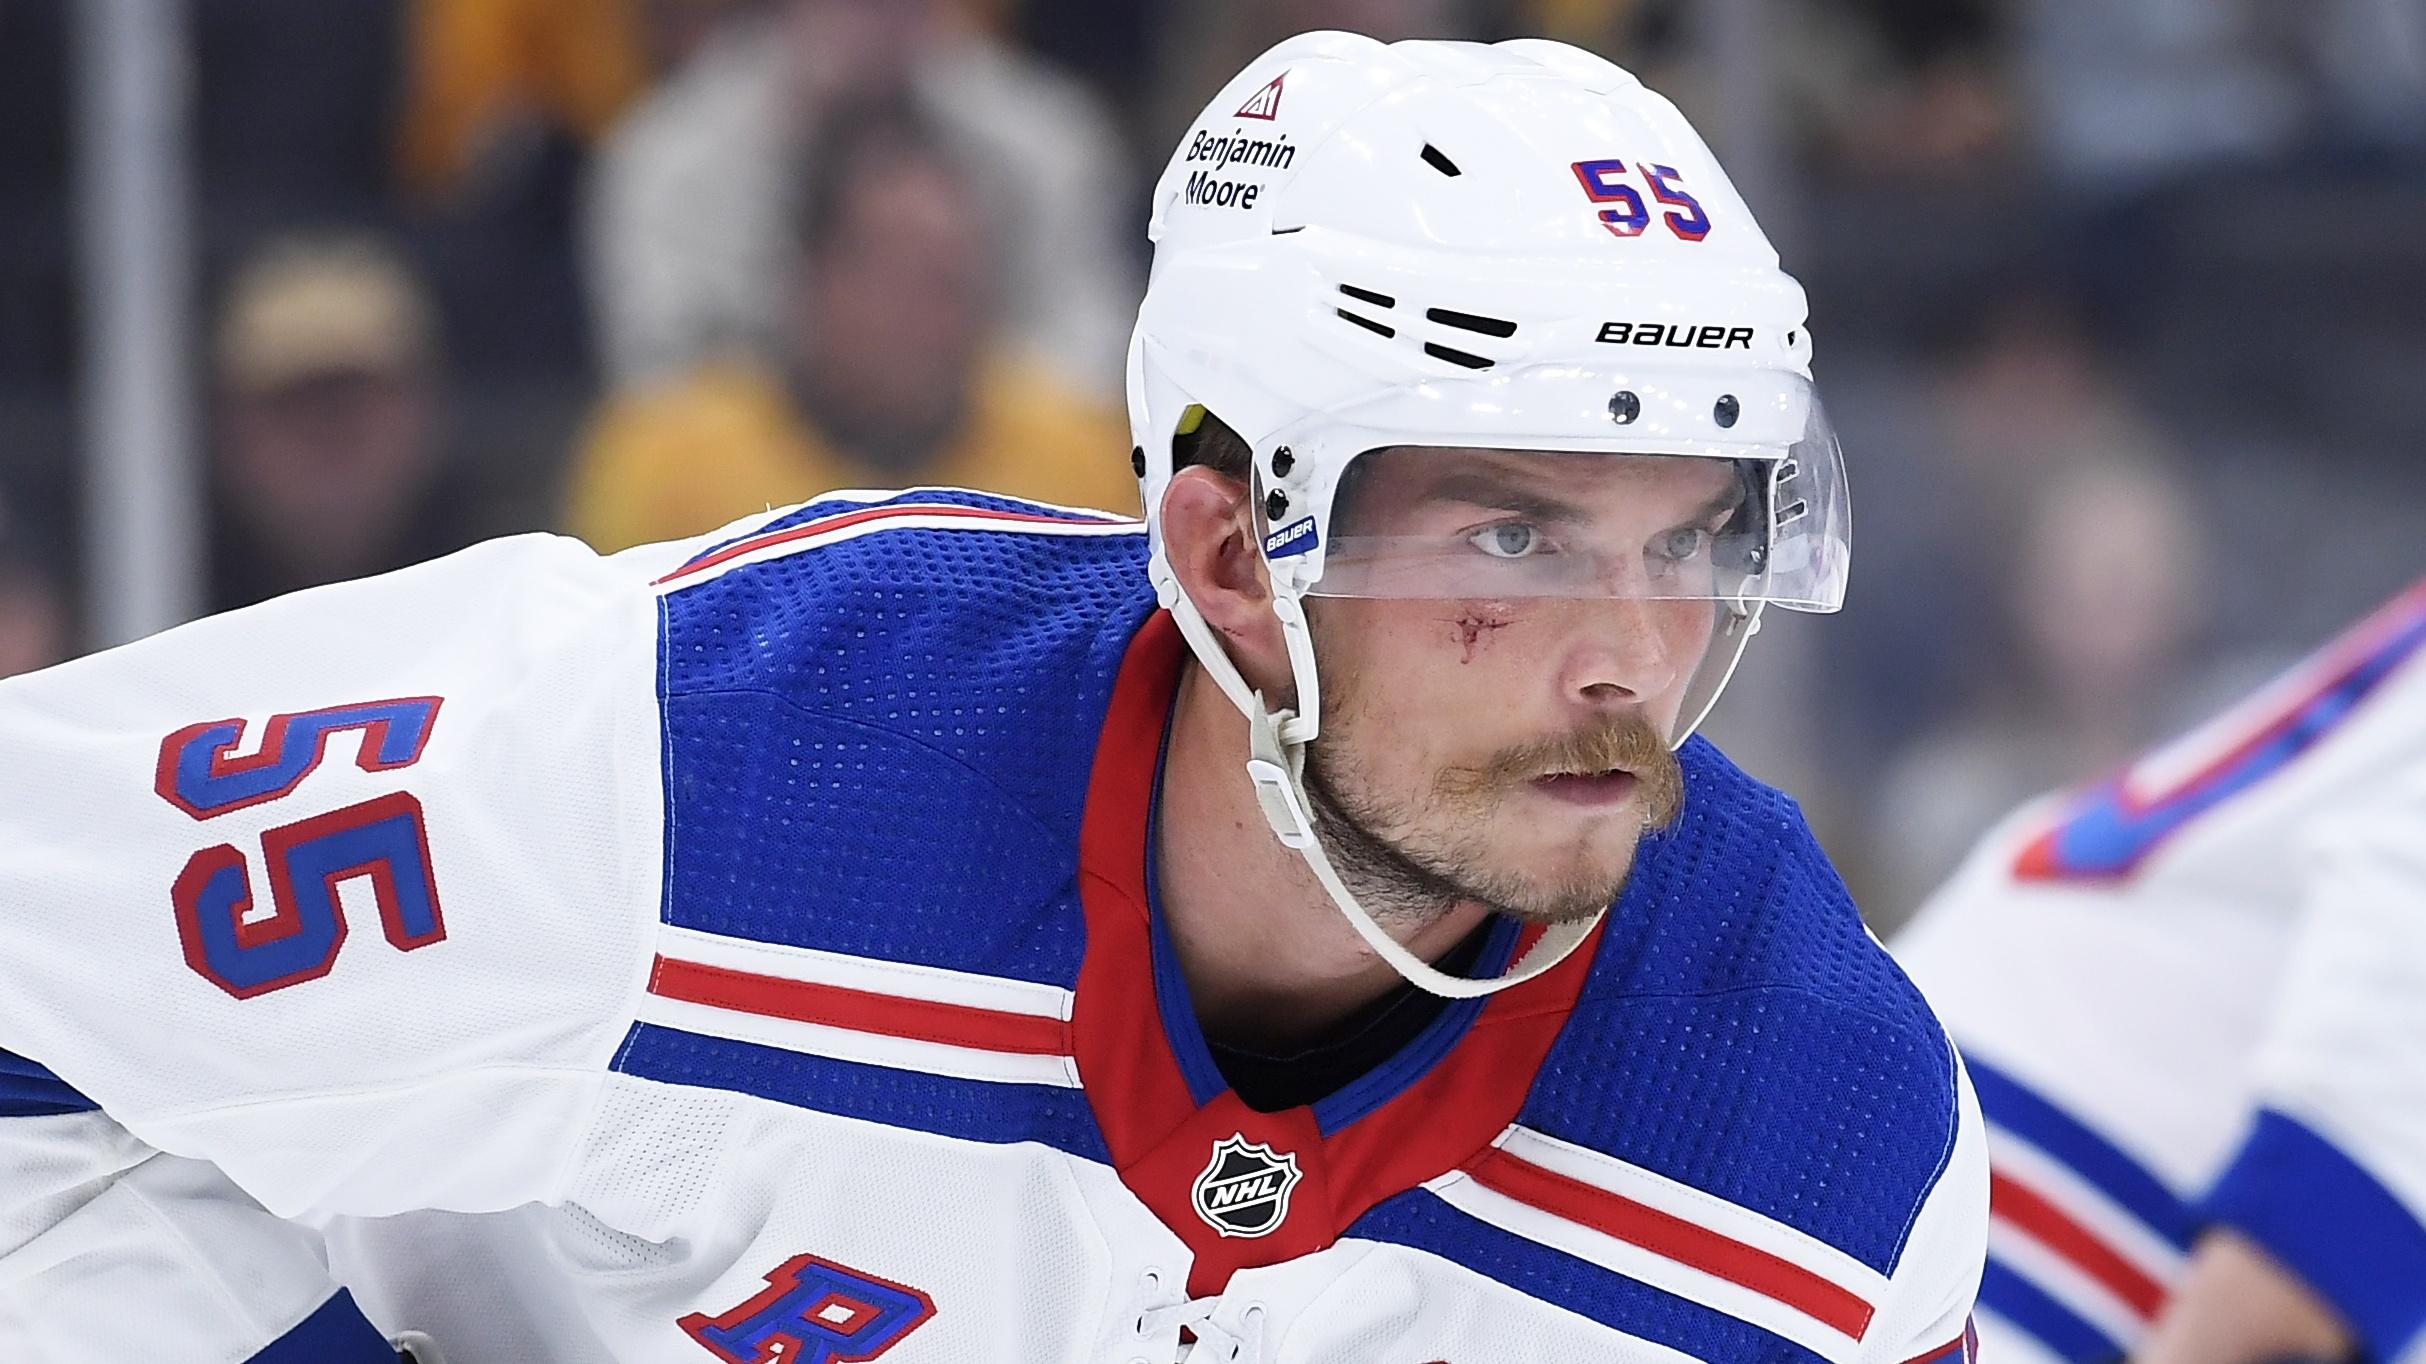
column 1766, row 525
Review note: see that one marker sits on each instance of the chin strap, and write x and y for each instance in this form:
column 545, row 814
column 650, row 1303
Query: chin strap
column 1277, row 769
column 1276, row 757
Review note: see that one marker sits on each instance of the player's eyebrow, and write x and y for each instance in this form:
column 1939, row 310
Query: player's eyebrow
column 1481, row 488
column 1726, row 499
column 1503, row 492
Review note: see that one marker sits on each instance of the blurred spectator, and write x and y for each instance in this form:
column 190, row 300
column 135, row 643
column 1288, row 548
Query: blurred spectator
column 689, row 199
column 485, row 72
column 329, row 463
column 1918, row 91
column 33, row 602
column 671, row 30
column 2037, row 394
column 2132, row 94
column 2104, row 593
column 1880, row 87
column 2370, row 57
column 1950, row 460
column 893, row 375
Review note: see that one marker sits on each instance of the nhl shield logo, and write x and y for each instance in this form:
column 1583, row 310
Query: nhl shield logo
column 1244, row 1190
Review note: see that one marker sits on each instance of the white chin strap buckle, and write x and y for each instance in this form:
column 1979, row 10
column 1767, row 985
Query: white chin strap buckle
column 1282, row 810
column 1275, row 779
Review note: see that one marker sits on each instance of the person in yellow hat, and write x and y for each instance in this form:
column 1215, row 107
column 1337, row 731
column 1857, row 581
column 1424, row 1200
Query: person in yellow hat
column 330, row 459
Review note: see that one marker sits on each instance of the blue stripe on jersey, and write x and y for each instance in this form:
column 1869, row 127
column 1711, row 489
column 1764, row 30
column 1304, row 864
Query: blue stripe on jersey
column 337, row 1333
column 2104, row 833
column 2327, row 1217
column 2015, row 1107
column 938, row 694
column 972, row 1110
column 30, row 1091
column 2055, row 1326
column 1422, row 1221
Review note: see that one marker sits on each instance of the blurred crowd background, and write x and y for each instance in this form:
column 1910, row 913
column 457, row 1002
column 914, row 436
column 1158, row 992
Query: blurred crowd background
column 2120, row 306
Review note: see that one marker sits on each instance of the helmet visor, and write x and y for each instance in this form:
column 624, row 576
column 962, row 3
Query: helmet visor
column 1760, row 525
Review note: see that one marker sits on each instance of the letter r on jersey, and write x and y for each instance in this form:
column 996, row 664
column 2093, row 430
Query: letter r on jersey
column 813, row 1312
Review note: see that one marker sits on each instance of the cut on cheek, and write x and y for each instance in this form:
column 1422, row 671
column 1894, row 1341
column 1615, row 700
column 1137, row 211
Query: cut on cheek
column 1474, row 624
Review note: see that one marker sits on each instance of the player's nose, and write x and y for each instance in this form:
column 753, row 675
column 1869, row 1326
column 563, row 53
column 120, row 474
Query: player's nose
column 1622, row 653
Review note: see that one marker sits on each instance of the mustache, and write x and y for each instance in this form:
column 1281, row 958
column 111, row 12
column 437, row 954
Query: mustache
column 1624, row 741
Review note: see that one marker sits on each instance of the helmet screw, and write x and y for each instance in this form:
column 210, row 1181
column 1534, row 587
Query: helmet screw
column 1276, row 505
column 1283, row 460
column 1727, row 410
column 1624, row 407
column 1137, row 459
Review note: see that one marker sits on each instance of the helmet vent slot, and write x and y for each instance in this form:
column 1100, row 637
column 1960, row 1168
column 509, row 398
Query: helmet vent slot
column 1488, row 326
column 1456, row 357
column 1439, row 161
column 1377, row 328
column 1368, row 296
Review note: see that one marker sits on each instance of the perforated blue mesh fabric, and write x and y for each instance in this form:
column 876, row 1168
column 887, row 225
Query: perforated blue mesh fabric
column 1742, row 1033
column 882, row 746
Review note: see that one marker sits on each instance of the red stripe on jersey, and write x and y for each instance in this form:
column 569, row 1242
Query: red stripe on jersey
column 1956, row 1351
column 890, row 511
column 1672, row 1237
column 2052, row 1227
column 837, row 1006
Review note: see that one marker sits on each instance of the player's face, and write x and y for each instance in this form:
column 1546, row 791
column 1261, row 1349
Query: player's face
column 1511, row 750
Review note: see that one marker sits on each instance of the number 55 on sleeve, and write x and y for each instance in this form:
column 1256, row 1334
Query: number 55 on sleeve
column 348, row 893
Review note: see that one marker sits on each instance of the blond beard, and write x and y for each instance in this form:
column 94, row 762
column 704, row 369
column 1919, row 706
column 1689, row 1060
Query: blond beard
column 1406, row 879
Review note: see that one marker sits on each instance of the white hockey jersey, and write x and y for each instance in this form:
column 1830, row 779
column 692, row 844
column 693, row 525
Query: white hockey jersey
column 746, row 950
column 2197, row 993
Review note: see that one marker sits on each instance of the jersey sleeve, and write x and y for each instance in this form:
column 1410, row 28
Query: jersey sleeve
column 1924, row 1317
column 2331, row 1175
column 110, row 1250
column 346, row 895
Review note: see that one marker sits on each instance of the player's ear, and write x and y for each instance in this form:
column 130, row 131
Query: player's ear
column 1209, row 537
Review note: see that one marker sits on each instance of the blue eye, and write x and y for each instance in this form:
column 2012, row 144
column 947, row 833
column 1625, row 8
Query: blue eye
column 1508, row 540
column 1679, row 545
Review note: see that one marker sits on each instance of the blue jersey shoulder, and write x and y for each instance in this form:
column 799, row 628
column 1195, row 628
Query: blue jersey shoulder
column 1742, row 1032
column 879, row 724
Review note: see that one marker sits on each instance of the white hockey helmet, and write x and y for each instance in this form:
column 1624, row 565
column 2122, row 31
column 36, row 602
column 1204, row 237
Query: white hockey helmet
column 1362, row 246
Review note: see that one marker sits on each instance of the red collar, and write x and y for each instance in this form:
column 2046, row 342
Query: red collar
column 1162, row 1143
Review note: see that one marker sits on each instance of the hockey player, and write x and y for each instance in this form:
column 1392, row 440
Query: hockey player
column 936, row 927
column 2192, row 999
